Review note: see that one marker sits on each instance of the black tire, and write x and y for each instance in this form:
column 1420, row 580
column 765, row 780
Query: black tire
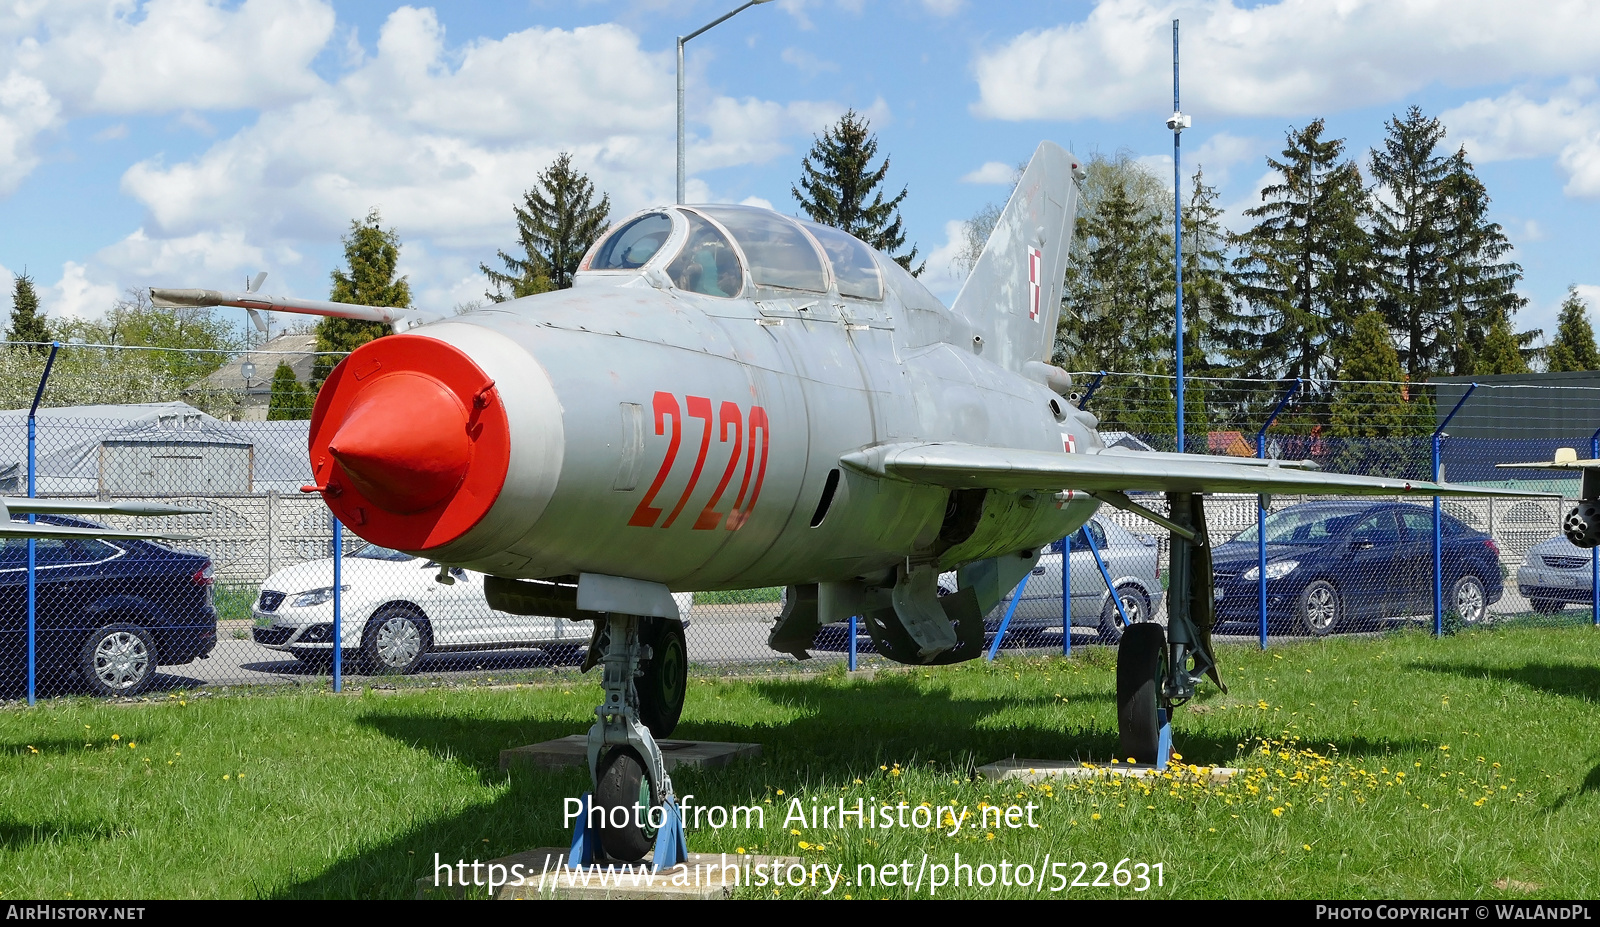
column 665, row 678
column 1134, row 603
column 1139, row 669
column 1469, row 600
column 394, row 641
column 118, row 659
column 1319, row 609
column 623, row 784
column 1547, row 606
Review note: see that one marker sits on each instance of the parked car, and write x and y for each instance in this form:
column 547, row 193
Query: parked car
column 1131, row 560
column 1336, row 563
column 1556, row 574
column 108, row 613
column 395, row 612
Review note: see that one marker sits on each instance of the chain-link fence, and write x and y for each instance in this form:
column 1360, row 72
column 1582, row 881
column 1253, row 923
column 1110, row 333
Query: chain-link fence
column 263, row 592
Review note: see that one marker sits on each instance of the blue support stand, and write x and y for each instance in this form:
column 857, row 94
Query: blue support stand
column 1261, row 513
column 583, row 839
column 1594, row 553
column 672, row 846
column 1164, row 743
column 1000, row 635
column 1105, row 575
column 852, row 643
column 1438, row 543
column 1066, row 596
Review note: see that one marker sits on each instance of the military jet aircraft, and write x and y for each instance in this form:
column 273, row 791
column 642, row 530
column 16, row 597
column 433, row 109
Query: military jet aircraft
column 731, row 398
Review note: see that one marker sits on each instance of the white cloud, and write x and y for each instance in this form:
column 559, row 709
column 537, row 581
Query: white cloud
column 992, row 172
column 112, row 133
column 942, row 278
column 1292, row 57
column 26, row 110
column 756, row 201
column 807, row 63
column 1565, row 124
column 75, row 295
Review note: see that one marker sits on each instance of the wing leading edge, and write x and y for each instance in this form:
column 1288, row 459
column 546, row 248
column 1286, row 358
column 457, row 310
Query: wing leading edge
column 969, row 466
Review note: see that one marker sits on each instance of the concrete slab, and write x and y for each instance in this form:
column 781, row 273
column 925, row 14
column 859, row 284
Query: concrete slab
column 705, row 877
column 574, row 751
column 1039, row 770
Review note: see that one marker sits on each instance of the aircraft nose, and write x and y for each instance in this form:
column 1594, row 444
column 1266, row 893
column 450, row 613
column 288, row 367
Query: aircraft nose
column 409, row 442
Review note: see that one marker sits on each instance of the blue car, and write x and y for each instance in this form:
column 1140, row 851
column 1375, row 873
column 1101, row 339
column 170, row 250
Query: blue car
column 1331, row 564
column 107, row 611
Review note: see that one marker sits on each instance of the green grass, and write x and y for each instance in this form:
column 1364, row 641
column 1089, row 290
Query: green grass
column 235, row 603
column 1395, row 766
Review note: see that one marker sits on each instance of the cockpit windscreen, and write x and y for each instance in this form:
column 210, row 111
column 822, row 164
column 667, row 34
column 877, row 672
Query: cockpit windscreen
column 778, row 252
column 631, row 246
column 707, row 264
column 853, row 267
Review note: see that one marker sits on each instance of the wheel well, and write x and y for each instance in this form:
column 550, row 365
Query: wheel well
column 403, row 605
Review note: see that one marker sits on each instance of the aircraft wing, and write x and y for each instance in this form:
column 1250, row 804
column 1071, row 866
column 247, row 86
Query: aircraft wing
column 14, row 506
column 21, row 529
column 968, row 466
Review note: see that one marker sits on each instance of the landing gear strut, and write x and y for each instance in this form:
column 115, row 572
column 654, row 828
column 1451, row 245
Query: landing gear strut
column 633, row 806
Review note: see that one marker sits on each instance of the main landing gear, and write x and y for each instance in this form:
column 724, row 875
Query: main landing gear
column 633, row 808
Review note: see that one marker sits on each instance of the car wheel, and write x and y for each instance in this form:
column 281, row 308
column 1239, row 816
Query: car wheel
column 626, row 835
column 1319, row 610
column 394, row 642
column 1134, row 604
column 1139, row 672
column 665, row 677
column 1469, row 601
column 119, row 659
column 1547, row 606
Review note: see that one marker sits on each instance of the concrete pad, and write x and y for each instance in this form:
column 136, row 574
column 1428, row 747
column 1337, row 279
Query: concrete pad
column 1032, row 771
column 703, row 878
column 574, row 751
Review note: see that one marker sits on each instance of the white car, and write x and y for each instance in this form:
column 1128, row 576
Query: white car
column 396, row 611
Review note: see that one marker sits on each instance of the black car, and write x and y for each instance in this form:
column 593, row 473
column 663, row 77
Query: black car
column 1332, row 563
column 107, row 611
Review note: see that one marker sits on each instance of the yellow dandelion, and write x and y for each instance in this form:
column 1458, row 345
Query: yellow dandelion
column 1306, row 845
column 804, row 845
column 794, row 832
column 780, row 791
column 1095, row 816
column 1277, row 812
column 116, row 736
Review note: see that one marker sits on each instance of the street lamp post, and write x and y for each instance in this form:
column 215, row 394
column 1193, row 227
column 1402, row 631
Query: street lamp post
column 681, row 40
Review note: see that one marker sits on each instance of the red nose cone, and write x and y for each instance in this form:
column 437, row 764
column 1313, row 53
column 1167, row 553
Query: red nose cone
column 404, row 443
column 409, row 442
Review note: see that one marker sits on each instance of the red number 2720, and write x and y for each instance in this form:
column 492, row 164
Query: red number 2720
column 743, row 438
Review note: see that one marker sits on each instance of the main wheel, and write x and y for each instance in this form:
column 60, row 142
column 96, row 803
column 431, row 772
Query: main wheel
column 1319, row 609
column 1468, row 600
column 394, row 642
column 1133, row 602
column 1139, row 669
column 625, row 795
column 119, row 659
column 665, row 679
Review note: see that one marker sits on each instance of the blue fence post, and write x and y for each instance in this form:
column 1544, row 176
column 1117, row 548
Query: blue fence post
column 1438, row 543
column 33, row 544
column 1066, row 596
column 1088, row 394
column 338, row 603
column 852, row 643
column 1261, row 512
column 1594, row 552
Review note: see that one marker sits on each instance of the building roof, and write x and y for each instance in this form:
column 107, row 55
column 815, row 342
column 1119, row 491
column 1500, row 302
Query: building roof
column 297, row 349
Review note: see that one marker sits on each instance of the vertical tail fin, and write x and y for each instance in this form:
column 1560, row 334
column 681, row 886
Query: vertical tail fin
column 1013, row 298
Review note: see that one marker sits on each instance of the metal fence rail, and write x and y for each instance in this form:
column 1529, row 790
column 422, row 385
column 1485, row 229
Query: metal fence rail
column 266, row 592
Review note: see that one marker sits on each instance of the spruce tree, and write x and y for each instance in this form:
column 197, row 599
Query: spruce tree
column 1500, row 353
column 1303, row 267
column 290, row 400
column 557, row 223
column 1478, row 284
column 1573, row 348
column 371, row 255
column 1408, row 238
column 1369, row 406
column 836, row 181
column 27, row 322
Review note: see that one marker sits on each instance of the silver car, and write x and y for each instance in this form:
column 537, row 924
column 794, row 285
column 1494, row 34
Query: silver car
column 1132, row 561
column 1556, row 574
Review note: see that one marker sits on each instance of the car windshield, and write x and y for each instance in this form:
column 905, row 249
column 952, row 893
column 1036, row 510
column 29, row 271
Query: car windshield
column 707, row 264
column 779, row 253
column 374, row 552
column 1304, row 526
column 629, row 247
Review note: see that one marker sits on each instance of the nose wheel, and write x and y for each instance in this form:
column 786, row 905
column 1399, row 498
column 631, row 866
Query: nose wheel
column 633, row 807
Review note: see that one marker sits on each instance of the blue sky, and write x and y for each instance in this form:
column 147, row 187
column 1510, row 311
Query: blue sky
column 192, row 143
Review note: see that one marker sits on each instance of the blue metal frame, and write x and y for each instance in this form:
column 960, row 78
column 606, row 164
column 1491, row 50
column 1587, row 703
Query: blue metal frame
column 1083, row 403
column 338, row 605
column 1105, row 574
column 1016, row 596
column 1261, row 511
column 1177, row 229
column 33, row 544
column 852, row 643
column 1438, row 544
column 1066, row 596
column 1594, row 552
